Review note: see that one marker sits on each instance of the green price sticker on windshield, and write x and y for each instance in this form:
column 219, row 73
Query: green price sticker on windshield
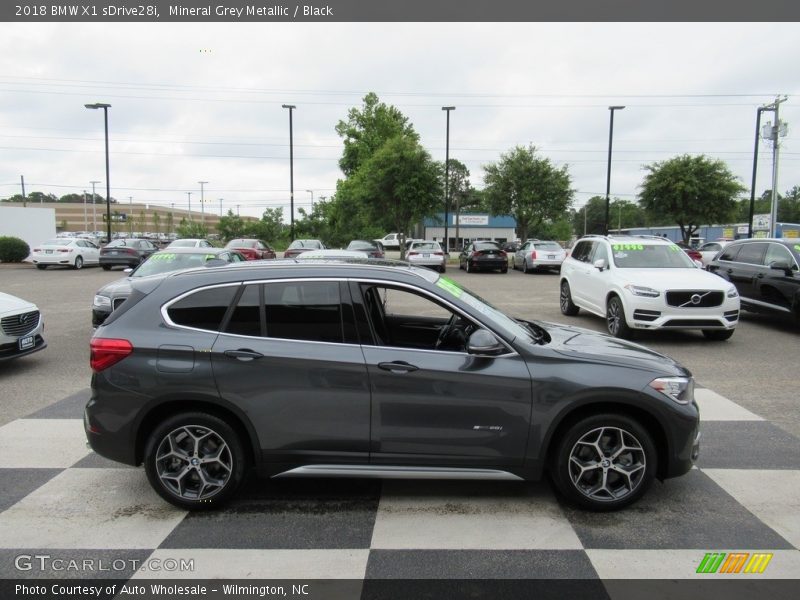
column 449, row 286
column 797, row 247
column 165, row 256
column 622, row 247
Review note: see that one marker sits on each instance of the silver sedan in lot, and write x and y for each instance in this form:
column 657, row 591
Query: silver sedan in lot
column 427, row 254
column 536, row 255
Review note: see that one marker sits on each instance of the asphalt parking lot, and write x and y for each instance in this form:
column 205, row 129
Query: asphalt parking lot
column 756, row 368
column 65, row 503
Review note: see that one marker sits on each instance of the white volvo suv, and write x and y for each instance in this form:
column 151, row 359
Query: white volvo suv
column 646, row 282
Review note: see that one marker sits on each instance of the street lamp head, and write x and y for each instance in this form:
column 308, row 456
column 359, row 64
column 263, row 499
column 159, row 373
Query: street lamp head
column 97, row 105
column 448, row 108
column 615, row 107
column 289, row 106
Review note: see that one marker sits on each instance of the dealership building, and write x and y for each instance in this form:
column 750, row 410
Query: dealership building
column 467, row 227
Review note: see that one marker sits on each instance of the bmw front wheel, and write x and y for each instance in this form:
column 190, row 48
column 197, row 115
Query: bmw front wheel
column 604, row 462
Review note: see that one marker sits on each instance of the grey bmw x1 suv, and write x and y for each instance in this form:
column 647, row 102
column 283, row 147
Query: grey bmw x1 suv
column 374, row 369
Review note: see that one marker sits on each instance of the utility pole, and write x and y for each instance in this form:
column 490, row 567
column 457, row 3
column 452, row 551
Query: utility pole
column 94, row 205
column 775, row 135
column 190, row 205
column 130, row 211
column 24, row 198
column 202, row 201
column 85, row 219
column 447, row 109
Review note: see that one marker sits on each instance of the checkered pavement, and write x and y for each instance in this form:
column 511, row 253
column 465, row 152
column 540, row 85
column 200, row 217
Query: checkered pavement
column 58, row 498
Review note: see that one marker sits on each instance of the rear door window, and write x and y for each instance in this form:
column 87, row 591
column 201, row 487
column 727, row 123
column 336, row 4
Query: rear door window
column 304, row 310
column 752, row 254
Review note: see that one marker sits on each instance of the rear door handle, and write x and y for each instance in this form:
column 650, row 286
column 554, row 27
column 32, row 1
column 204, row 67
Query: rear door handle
column 397, row 367
column 243, row 354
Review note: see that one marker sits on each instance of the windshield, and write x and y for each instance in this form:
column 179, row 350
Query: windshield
column 163, row 262
column 184, row 243
column 305, row 244
column 511, row 327
column 650, row 256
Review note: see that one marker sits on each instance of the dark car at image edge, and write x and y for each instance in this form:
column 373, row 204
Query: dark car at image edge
column 374, row 370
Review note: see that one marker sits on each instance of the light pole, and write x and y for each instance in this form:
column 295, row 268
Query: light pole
column 85, row 219
column 189, row 194
column 105, row 108
column 608, row 175
column 130, row 214
column 94, row 205
column 312, row 199
column 202, row 200
column 220, row 207
column 447, row 109
column 291, row 107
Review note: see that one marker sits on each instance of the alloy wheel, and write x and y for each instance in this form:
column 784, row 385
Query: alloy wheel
column 607, row 464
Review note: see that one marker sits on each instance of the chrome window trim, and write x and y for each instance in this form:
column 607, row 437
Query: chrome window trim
column 170, row 323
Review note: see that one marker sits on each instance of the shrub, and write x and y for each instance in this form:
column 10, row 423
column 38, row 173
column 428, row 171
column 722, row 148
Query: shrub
column 13, row 249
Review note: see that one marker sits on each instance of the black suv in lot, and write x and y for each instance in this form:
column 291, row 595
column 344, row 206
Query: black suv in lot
column 765, row 273
column 374, row 369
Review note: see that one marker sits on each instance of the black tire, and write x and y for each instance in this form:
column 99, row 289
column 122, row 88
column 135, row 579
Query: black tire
column 504, row 270
column 41, row 267
column 525, row 268
column 460, row 266
column 106, row 267
column 78, row 263
column 180, row 429
column 625, row 477
column 718, row 335
column 568, row 307
column 615, row 319
column 513, row 263
column 443, row 269
column 468, row 268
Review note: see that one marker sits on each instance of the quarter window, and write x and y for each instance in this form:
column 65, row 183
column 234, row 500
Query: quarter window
column 729, row 253
column 204, row 309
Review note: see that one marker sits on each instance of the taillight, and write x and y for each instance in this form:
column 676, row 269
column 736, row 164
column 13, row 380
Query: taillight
column 37, row 249
column 438, row 253
column 65, row 250
column 106, row 352
column 132, row 251
column 533, row 255
column 413, row 253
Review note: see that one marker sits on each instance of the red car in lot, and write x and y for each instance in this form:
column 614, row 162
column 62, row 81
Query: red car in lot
column 251, row 249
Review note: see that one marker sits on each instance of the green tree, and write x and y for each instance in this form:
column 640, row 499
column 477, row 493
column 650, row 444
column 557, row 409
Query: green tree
column 231, row 226
column 528, row 187
column 314, row 224
column 690, row 191
column 156, row 222
column 789, row 206
column 591, row 217
column 400, row 183
column 170, row 223
column 191, row 229
column 270, row 228
column 367, row 129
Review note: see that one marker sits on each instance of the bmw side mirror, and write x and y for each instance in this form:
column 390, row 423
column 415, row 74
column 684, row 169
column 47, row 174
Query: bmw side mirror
column 600, row 263
column 484, row 343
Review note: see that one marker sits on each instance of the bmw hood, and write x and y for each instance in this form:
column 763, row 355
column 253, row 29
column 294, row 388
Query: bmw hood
column 576, row 342
column 10, row 305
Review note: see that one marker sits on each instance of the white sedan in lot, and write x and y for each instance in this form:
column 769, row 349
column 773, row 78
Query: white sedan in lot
column 21, row 327
column 66, row 252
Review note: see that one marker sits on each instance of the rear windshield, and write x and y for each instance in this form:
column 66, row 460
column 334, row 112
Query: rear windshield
column 425, row 246
column 241, row 244
column 118, row 243
column 487, row 246
column 650, row 256
column 547, row 246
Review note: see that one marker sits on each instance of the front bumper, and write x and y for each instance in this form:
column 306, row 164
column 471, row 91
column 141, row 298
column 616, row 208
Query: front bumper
column 654, row 313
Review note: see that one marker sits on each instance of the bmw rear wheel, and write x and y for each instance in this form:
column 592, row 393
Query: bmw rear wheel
column 604, row 462
column 194, row 460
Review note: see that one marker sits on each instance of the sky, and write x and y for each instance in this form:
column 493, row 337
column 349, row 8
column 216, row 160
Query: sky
column 202, row 102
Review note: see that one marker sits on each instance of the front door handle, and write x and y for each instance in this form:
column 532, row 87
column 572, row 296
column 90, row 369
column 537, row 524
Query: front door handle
column 397, row 366
column 243, row 354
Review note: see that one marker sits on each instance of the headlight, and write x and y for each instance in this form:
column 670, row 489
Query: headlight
column 102, row 301
column 680, row 389
column 732, row 293
column 638, row 290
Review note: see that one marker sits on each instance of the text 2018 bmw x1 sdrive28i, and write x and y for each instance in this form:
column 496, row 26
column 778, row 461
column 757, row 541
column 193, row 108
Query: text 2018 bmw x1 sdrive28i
column 374, row 369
